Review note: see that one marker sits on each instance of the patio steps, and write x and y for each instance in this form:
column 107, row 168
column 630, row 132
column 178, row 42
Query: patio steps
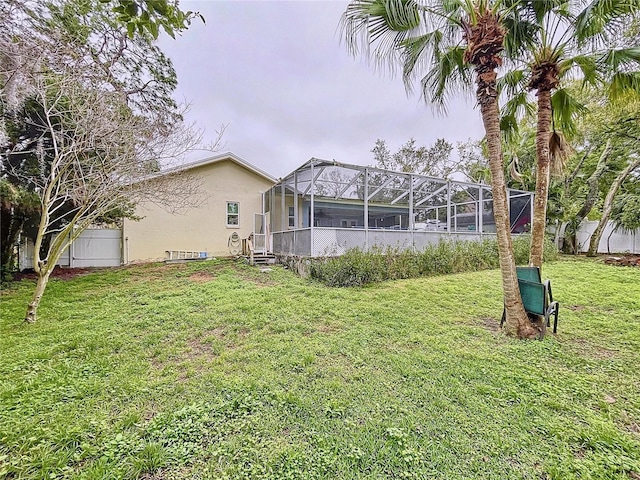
column 264, row 259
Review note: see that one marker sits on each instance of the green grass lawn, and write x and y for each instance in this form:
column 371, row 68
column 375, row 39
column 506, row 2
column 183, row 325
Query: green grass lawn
column 215, row 370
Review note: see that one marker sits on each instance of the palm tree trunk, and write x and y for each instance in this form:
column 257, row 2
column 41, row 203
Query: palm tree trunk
column 485, row 37
column 608, row 205
column 517, row 322
column 543, row 133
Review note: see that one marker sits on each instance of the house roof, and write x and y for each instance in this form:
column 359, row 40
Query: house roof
column 220, row 158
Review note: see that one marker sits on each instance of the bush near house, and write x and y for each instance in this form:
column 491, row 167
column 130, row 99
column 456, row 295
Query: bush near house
column 357, row 267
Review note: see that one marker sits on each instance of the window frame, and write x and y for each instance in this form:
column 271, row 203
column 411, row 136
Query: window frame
column 291, row 217
column 229, row 214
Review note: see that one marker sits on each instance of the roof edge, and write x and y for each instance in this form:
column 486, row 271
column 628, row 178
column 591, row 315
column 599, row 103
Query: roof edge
column 219, row 158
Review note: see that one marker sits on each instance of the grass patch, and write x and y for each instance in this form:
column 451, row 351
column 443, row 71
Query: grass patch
column 216, row 370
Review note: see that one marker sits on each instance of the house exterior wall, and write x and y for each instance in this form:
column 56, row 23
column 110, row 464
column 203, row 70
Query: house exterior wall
column 280, row 223
column 202, row 228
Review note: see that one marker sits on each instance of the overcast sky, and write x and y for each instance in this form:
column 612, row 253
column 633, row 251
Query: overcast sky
column 278, row 75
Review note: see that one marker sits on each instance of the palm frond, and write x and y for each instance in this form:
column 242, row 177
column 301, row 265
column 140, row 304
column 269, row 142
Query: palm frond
column 416, row 51
column 449, row 73
column 509, row 127
column 543, row 8
column 521, row 35
column 378, row 23
column 516, row 107
column 585, row 64
column 392, row 32
column 601, row 19
column 559, row 151
column 512, row 82
column 623, row 82
column 513, row 170
column 616, row 59
column 566, row 110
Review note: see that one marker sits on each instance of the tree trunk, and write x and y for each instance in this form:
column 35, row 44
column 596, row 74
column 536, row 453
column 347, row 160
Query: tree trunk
column 608, row 205
column 10, row 228
column 571, row 239
column 543, row 133
column 32, row 309
column 517, row 321
column 485, row 37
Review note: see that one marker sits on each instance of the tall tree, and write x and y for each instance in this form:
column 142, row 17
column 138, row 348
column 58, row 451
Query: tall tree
column 564, row 40
column 607, row 143
column 625, row 214
column 622, row 129
column 148, row 16
column 434, row 160
column 607, row 207
column 453, row 39
column 89, row 110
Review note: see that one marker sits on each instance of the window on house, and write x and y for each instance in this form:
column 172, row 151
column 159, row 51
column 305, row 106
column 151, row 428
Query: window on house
column 292, row 216
column 233, row 216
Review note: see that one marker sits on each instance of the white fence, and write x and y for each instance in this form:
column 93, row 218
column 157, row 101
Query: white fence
column 93, row 248
column 619, row 242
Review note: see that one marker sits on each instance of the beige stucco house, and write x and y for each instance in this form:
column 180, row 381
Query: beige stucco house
column 231, row 194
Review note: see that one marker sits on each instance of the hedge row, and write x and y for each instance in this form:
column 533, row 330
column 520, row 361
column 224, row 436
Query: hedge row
column 357, row 267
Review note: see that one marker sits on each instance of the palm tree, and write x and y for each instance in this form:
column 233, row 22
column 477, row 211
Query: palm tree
column 454, row 39
column 565, row 40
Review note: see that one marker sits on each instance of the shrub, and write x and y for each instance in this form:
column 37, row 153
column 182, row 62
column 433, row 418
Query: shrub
column 521, row 250
column 357, row 267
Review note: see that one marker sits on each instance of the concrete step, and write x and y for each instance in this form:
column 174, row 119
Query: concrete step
column 264, row 259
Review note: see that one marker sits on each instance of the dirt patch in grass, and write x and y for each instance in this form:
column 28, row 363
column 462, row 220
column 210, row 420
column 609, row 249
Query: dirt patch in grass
column 623, row 260
column 154, row 270
column 589, row 350
column 198, row 349
column 201, row 277
column 167, row 474
column 575, row 308
column 230, row 339
column 217, row 332
column 255, row 276
column 490, row 324
column 61, row 273
column 630, row 423
column 326, row 328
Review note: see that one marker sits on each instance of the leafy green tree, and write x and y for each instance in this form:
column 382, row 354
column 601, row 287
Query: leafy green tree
column 148, row 16
column 564, row 40
column 625, row 214
column 473, row 161
column 457, row 42
column 87, row 116
column 17, row 206
column 434, row 160
column 603, row 164
column 607, row 207
column 84, row 34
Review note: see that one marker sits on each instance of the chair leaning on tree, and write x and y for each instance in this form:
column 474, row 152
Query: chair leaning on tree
column 537, row 297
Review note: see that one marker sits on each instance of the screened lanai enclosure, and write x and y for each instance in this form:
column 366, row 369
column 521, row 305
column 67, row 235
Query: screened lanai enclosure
column 325, row 208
